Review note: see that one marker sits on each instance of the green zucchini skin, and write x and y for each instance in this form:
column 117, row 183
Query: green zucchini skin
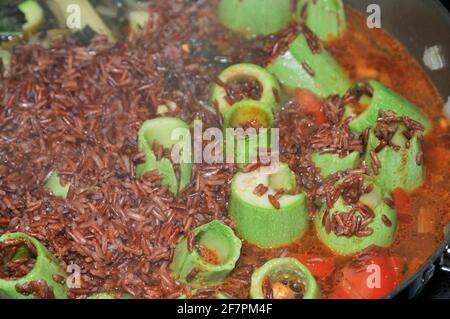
column 277, row 266
column 45, row 268
column 257, row 221
column 34, row 14
column 329, row 78
column 385, row 99
column 268, row 83
column 326, row 18
column 160, row 130
column 382, row 236
column 333, row 163
column 245, row 150
column 253, row 18
column 55, row 187
column 216, row 236
column 398, row 169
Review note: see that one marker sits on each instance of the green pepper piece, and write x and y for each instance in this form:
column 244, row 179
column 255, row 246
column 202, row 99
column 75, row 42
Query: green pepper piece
column 256, row 218
column 214, row 255
column 45, row 268
column 255, row 17
column 398, row 168
column 333, row 163
column 282, row 269
column 326, row 18
column 268, row 85
column 247, row 114
column 382, row 235
column 110, row 295
column 385, row 99
column 54, row 185
column 168, row 132
column 289, row 67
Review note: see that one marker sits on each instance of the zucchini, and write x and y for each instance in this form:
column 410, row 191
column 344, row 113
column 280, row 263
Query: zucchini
column 286, row 278
column 255, row 17
column 214, row 255
column 257, row 219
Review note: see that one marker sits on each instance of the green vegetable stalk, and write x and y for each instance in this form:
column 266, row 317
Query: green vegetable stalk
column 326, row 18
column 399, row 168
column 385, row 99
column 379, row 231
column 239, row 73
column 333, row 163
column 254, row 118
column 46, row 268
column 55, row 187
column 214, row 254
column 318, row 72
column 257, row 219
column 284, row 278
column 169, row 133
column 255, row 17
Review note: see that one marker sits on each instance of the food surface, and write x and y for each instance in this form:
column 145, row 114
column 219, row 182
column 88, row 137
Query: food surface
column 94, row 205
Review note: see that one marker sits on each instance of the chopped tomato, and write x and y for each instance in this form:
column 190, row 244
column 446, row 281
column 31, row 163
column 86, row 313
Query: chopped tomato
column 402, row 203
column 310, row 104
column 378, row 275
column 320, row 267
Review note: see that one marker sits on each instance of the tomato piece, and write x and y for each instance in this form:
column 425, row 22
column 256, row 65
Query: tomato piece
column 378, row 275
column 320, row 267
column 310, row 104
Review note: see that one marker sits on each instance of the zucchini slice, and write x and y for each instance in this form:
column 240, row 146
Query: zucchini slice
column 284, row 278
column 168, row 132
column 255, row 17
column 318, row 72
column 247, row 130
column 46, row 268
column 214, row 255
column 257, row 219
column 399, row 168
column 333, row 163
column 326, row 18
column 251, row 81
column 384, row 99
column 379, row 232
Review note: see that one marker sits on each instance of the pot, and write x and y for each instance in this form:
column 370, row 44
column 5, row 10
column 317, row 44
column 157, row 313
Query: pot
column 420, row 25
